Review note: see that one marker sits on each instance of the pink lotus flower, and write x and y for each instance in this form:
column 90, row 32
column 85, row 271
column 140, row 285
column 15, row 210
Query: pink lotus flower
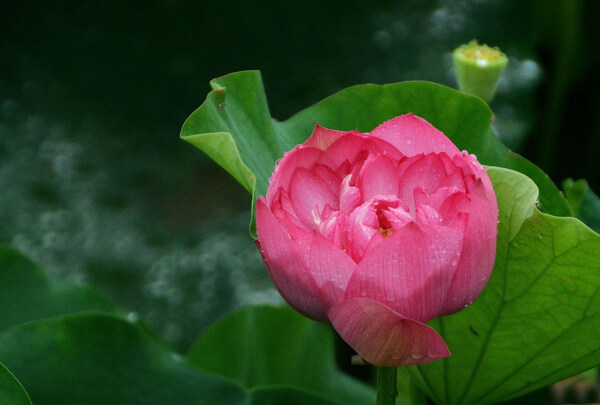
column 378, row 233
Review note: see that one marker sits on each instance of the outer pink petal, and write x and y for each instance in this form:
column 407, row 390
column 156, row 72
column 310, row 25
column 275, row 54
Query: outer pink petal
column 323, row 137
column 383, row 337
column 479, row 247
column 413, row 135
column 351, row 145
column 409, row 271
column 379, row 178
column 309, row 195
column 286, row 267
column 284, row 170
column 331, row 268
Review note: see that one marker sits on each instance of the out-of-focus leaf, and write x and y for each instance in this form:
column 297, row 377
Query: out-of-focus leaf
column 538, row 319
column 234, row 127
column 584, row 202
column 101, row 359
column 11, row 390
column 275, row 346
column 26, row 294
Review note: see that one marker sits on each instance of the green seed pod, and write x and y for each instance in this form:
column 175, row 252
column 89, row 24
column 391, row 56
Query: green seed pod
column 478, row 69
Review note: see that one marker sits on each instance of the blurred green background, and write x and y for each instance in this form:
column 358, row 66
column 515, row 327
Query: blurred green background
column 97, row 187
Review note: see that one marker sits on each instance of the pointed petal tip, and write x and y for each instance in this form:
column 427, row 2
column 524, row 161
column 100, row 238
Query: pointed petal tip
column 412, row 135
column 323, row 137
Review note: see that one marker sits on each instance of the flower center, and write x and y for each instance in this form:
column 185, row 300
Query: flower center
column 385, row 227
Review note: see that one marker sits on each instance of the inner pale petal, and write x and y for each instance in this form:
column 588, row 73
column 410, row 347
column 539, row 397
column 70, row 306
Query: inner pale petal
column 309, row 196
column 378, row 178
column 427, row 172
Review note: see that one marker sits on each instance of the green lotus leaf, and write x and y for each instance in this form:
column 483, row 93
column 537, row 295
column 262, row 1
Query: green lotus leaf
column 102, row 359
column 11, row 390
column 276, row 346
column 26, row 294
column 234, row 127
column 538, row 319
column 584, row 202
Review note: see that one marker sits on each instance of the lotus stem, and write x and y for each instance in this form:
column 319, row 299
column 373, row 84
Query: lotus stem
column 386, row 385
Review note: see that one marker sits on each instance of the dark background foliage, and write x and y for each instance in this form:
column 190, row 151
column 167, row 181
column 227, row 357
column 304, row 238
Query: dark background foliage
column 97, row 187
